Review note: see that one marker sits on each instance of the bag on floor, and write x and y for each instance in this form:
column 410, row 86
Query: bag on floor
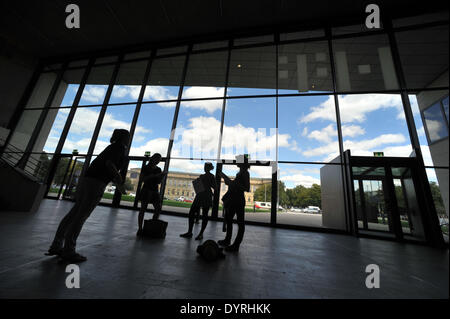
column 155, row 228
column 210, row 251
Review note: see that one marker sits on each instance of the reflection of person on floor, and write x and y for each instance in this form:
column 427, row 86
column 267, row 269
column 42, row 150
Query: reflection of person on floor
column 104, row 169
column 202, row 200
column 151, row 177
column 235, row 205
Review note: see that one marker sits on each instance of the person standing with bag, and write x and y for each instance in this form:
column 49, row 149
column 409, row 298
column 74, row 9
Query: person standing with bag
column 202, row 200
column 104, row 169
column 152, row 177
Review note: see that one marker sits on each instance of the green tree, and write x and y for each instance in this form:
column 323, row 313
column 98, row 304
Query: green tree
column 437, row 198
column 263, row 193
column 128, row 184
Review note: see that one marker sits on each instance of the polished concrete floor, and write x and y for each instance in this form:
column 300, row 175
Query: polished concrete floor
column 272, row 263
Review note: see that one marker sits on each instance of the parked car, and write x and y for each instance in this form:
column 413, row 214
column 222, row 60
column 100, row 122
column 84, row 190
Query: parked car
column 312, row 210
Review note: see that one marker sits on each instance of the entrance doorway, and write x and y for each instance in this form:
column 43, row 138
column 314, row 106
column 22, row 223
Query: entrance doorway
column 385, row 198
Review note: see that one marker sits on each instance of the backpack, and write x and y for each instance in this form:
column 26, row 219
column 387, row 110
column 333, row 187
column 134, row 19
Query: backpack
column 210, row 251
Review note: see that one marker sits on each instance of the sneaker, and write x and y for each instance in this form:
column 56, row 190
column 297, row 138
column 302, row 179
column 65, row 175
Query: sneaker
column 54, row 251
column 73, row 257
column 232, row 248
column 140, row 233
column 199, row 237
column 186, row 235
column 224, row 242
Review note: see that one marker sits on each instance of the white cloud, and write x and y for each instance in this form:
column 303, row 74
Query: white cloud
column 202, row 135
column 352, row 130
column 94, row 93
column 353, row 108
column 329, row 133
column 157, row 145
column 434, row 129
column 299, row 178
column 362, row 147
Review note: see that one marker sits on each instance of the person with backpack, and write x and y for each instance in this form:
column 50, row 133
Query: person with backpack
column 202, row 200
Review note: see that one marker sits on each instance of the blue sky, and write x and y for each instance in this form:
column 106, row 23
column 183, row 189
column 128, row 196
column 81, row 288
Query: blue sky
column 307, row 127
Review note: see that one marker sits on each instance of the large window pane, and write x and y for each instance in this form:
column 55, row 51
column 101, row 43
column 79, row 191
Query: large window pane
column 252, row 71
column 128, row 82
column 179, row 192
column 307, row 129
column 81, row 130
column 165, row 79
column 311, row 195
column 96, row 85
column 205, row 75
column 250, row 128
column 304, row 67
column 198, row 129
column 424, row 56
column 434, row 149
column 374, row 123
column 153, row 129
column 435, row 123
column 51, row 130
column 116, row 117
column 364, row 64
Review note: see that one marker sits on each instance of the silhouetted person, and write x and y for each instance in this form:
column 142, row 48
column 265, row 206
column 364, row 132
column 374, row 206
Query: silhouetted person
column 151, row 176
column 235, row 205
column 203, row 201
column 104, row 169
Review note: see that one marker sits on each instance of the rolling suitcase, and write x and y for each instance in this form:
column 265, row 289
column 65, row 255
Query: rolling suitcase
column 155, row 228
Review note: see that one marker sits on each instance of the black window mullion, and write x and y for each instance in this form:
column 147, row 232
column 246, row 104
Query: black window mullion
column 216, row 199
column 343, row 161
column 174, row 122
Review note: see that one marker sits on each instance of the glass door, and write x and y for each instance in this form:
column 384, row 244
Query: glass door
column 76, row 167
column 385, row 200
column 59, row 179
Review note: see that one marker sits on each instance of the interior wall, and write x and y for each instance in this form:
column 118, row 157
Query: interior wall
column 16, row 71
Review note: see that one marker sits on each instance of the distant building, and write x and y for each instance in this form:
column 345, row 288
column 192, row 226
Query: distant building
column 180, row 184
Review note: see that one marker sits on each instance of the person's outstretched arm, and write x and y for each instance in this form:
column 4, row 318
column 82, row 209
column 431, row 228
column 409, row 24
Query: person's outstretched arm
column 114, row 172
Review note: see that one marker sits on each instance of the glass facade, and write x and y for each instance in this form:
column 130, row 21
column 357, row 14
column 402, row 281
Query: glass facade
column 297, row 99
